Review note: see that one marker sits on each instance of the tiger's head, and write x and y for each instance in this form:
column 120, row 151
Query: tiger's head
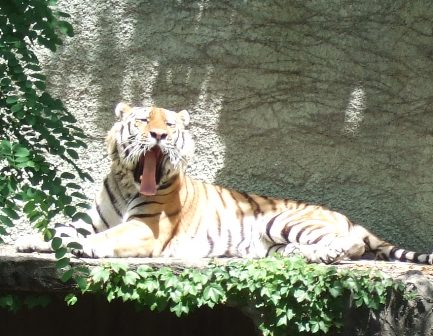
column 152, row 143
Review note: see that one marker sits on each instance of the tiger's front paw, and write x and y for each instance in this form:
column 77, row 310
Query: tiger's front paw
column 89, row 250
column 85, row 252
column 32, row 243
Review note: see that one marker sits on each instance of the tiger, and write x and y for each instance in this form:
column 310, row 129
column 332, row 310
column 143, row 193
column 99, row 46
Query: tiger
column 148, row 207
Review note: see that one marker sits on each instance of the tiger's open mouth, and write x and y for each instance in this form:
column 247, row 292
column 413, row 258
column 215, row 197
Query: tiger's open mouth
column 148, row 171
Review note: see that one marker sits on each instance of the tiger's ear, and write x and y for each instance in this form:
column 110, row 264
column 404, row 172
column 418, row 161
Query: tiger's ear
column 184, row 116
column 122, row 110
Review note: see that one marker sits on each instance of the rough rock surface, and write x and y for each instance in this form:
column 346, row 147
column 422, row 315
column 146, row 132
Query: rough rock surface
column 36, row 273
column 328, row 102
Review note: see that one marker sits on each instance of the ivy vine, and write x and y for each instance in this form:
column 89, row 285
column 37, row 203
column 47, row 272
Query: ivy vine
column 15, row 302
column 285, row 295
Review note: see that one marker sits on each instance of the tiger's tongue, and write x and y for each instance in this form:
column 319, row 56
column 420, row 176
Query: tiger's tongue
column 148, row 177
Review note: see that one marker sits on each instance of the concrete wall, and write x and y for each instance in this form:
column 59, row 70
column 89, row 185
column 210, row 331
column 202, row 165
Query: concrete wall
column 328, row 102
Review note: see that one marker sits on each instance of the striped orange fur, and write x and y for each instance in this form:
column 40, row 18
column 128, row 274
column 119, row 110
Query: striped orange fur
column 188, row 218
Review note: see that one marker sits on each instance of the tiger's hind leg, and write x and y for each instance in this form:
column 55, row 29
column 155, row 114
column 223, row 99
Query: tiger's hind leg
column 319, row 234
column 336, row 249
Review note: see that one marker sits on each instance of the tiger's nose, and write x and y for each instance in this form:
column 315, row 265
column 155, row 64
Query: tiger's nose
column 158, row 134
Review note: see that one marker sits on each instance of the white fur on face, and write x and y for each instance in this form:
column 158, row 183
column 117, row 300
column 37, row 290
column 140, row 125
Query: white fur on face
column 131, row 144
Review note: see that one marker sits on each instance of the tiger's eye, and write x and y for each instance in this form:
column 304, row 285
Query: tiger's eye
column 140, row 121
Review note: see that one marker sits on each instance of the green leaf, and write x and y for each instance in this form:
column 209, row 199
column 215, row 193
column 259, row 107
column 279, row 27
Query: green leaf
column 144, row 270
column 22, row 152
column 34, row 216
column 130, row 278
column 180, row 309
column 62, row 14
column 6, row 145
column 119, row 266
column 29, row 207
column 25, row 164
column 5, row 82
column 314, row 327
column 55, row 188
column 66, row 276
column 17, row 107
column 100, row 274
column 66, row 28
column 83, row 216
column 290, row 314
column 83, row 232
column 21, row 159
column 69, row 210
column 82, row 283
column 75, row 246
column 18, row 70
column 37, row 301
column 335, row 291
column 8, row 301
column 212, row 293
column 111, row 295
column 38, row 76
column 61, row 252
column 56, row 243
column 265, row 291
column 6, row 221
column 10, row 213
column 65, row 199
column 84, row 205
column 40, row 85
column 11, row 100
column 62, row 262
column 48, row 233
column 282, row 321
column 71, row 299
column 3, row 231
column 300, row 295
column 33, row 67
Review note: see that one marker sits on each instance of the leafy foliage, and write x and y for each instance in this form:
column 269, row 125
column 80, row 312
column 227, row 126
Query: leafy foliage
column 15, row 302
column 287, row 294
column 34, row 125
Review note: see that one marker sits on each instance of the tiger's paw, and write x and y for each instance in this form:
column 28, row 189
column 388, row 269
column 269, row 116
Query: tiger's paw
column 32, row 243
column 291, row 249
column 340, row 249
column 89, row 250
column 332, row 256
column 326, row 254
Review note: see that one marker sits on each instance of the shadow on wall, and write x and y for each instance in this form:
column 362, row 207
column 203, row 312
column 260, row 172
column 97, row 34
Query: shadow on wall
column 326, row 102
